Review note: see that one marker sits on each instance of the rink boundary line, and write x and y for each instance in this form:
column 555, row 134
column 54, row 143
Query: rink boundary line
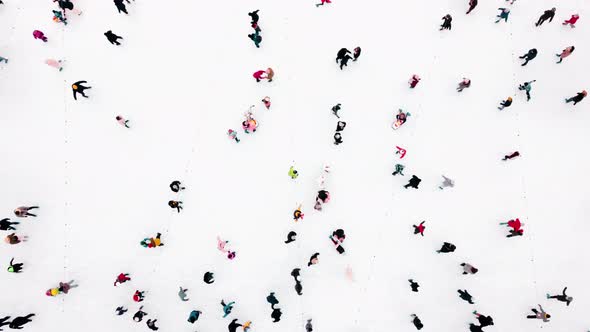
column 66, row 171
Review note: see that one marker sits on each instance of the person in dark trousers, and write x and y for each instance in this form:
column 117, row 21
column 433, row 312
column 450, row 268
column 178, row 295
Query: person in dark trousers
column 472, row 5
column 547, row 15
column 176, row 186
column 340, row 126
column 233, row 326
column 414, row 285
column 505, row 103
column 121, row 6
column 447, row 19
column 337, row 139
column 6, row 225
column 308, row 326
column 341, row 54
column 291, row 237
column 417, row 322
column 512, row 155
column 151, row 324
column 539, row 314
column 484, row 320
column 464, row 294
column 420, row 228
column 475, row 328
column 313, row 260
column 194, row 316
column 562, row 298
column 175, row 205
column 23, row 211
column 446, row 248
column 530, row 55
column 344, row 61
column 527, row 87
column 577, row 98
column 19, row 321
column 121, row 311
column 138, row 317
column 357, row 53
column 4, row 321
column 414, row 182
column 468, row 268
column 298, row 286
column 256, row 38
column 113, row 38
column 16, row 268
column 79, row 88
column 254, row 16
column 335, row 110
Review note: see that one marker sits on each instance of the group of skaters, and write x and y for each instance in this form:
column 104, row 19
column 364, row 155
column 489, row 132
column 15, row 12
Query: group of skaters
column 344, row 55
column 255, row 37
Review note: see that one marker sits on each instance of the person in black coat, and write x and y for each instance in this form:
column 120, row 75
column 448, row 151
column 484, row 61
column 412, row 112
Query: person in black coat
column 233, row 326
column 344, row 61
column 340, row 55
column 563, row 297
column 530, row 55
column 138, row 317
column 16, row 268
column 417, row 322
column 464, row 294
column 547, row 15
column 18, row 322
column 151, row 324
column 121, row 6
column 176, row 186
column 337, row 138
column 472, row 5
column 113, row 38
column 254, row 16
column 577, row 98
column 3, row 321
column 340, row 126
column 484, row 320
column 79, row 88
column 414, row 285
column 414, row 182
column 446, row 248
column 447, row 19
column 65, row 4
column 6, row 225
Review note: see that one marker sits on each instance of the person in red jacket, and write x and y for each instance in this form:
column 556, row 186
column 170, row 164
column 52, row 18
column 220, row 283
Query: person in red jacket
column 472, row 5
column 323, row 3
column 516, row 226
column 572, row 21
column 259, row 75
column 122, row 278
column 138, row 296
column 419, row 229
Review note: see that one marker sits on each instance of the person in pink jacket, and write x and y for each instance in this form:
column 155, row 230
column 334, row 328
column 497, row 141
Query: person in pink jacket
column 259, row 75
column 39, row 35
column 572, row 21
column 323, row 3
column 565, row 53
column 57, row 64
column 266, row 101
column 122, row 121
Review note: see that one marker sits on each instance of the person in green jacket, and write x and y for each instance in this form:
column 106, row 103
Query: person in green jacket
column 293, row 173
column 15, row 268
column 527, row 87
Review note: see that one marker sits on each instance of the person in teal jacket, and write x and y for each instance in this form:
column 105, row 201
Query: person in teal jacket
column 527, row 87
column 503, row 15
column 227, row 308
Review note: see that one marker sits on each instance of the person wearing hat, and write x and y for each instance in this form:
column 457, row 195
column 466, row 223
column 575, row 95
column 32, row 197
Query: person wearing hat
column 505, row 103
column 79, row 88
column 572, row 21
column 547, row 15
column 530, row 55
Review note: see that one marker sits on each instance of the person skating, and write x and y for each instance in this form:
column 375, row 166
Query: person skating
column 504, row 13
column 4, row 321
column 37, row 34
column 562, row 297
column 527, row 87
column 6, row 225
column 113, row 38
column 122, row 121
column 464, row 295
column 271, row 298
column 337, row 239
column 297, row 214
column 516, row 226
column 565, row 53
column 340, row 126
column 341, row 53
column 296, row 273
column 17, row 268
column 293, row 173
column 209, row 277
column 254, row 16
column 232, row 134
column 505, row 103
column 323, row 2
column 446, row 183
column 512, row 155
column 121, row 279
column 399, row 169
column 308, row 326
column 138, row 296
column 175, row 205
column 151, row 324
column 447, row 19
column 14, row 239
column 547, row 15
column 233, row 326
column 539, row 314
column 530, row 55
column 256, row 38
column 414, row 182
column 291, row 237
column 152, row 242
column 194, row 316
column 182, row 294
column 121, row 6
column 414, row 81
column 138, row 317
column 472, row 5
column 266, row 102
column 58, row 16
column 322, row 197
column 464, row 84
column 258, row 75
column 468, row 268
column 475, row 328
column 335, row 110
column 313, row 260
column 57, row 64
column 64, row 287
column 417, row 322
column 227, row 308
column 419, row 229
column 79, row 88
column 344, row 61
column 414, row 285
column 447, row 248
column 270, row 74
column 23, row 211
column 121, row 311
column 18, row 322
column 3, row 59
column 484, row 320
column 338, row 139
column 577, row 98
column 572, row 21
column 356, row 53
column 176, row 186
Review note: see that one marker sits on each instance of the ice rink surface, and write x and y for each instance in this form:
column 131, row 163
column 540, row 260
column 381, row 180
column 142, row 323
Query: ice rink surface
column 183, row 76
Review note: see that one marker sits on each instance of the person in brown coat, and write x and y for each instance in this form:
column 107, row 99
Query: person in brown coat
column 270, row 74
column 13, row 239
column 565, row 53
column 23, row 211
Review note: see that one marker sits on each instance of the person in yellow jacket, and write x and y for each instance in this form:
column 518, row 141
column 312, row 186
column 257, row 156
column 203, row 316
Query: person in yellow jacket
column 293, row 173
column 246, row 326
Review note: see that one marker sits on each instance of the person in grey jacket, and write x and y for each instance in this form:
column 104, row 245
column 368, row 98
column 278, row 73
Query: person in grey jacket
column 468, row 268
column 539, row 314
